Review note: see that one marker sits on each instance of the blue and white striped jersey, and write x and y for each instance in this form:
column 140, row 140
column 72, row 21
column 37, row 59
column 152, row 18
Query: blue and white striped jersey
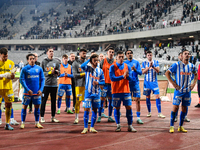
column 93, row 74
column 151, row 75
column 183, row 75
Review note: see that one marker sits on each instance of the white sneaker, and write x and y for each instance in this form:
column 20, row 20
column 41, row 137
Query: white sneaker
column 149, row 114
column 76, row 121
column 186, row 119
column 54, row 120
column 131, row 129
column 161, row 116
column 13, row 122
column 42, row 120
column 0, row 121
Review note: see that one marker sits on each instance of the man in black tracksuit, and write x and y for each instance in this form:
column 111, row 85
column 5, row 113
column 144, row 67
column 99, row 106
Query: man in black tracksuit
column 50, row 67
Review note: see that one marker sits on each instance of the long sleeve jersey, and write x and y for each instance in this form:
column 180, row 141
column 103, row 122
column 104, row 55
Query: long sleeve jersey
column 32, row 78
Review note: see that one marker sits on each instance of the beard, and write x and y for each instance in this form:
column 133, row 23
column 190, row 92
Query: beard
column 82, row 57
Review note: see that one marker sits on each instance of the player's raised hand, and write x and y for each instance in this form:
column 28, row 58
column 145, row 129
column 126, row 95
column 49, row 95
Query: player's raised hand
column 151, row 64
column 127, row 73
column 95, row 83
column 39, row 93
column 133, row 68
column 66, row 74
column 12, row 76
column 30, row 92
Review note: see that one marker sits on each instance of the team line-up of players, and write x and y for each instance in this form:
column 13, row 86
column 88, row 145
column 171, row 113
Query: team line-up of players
column 95, row 81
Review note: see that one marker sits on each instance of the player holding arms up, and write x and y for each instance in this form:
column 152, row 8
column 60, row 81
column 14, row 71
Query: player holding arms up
column 151, row 68
column 33, row 80
column 65, row 84
column 183, row 71
column 119, row 75
column 94, row 77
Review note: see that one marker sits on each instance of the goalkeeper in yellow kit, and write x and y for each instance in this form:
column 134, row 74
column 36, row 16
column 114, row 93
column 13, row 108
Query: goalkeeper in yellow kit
column 7, row 70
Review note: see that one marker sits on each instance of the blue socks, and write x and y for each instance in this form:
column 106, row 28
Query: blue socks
column 173, row 116
column 93, row 119
column 23, row 115
column 68, row 102
column 158, row 105
column 186, row 111
column 110, row 108
column 117, row 116
column 148, row 104
column 138, row 114
column 182, row 117
column 86, row 118
column 12, row 114
column 37, row 114
column 101, row 109
column 129, row 116
column 59, row 102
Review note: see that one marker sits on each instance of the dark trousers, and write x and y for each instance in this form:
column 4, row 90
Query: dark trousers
column 52, row 91
column 74, row 93
column 198, row 87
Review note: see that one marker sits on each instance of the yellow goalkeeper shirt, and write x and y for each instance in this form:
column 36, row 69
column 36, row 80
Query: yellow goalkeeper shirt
column 6, row 67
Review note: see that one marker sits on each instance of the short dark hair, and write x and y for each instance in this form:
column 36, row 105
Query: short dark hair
column 4, row 50
column 49, row 49
column 93, row 56
column 111, row 48
column 149, row 52
column 27, row 56
column 120, row 52
column 83, row 50
column 130, row 51
column 185, row 50
column 65, row 56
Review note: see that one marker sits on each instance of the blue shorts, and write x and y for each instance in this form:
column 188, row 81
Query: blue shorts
column 62, row 88
column 106, row 91
column 151, row 86
column 135, row 90
column 91, row 100
column 35, row 99
column 118, row 97
column 185, row 98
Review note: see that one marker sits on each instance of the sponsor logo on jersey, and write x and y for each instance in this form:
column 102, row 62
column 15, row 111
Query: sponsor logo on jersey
column 185, row 73
column 33, row 76
column 97, row 78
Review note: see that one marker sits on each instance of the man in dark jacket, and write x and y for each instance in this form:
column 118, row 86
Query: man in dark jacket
column 50, row 67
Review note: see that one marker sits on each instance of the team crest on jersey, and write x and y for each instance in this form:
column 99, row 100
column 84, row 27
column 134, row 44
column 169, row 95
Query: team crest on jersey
column 36, row 70
column 79, row 69
column 10, row 66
